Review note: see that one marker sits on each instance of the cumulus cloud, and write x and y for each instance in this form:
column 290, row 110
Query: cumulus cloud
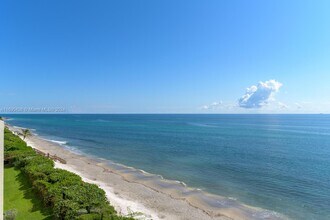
column 213, row 105
column 259, row 95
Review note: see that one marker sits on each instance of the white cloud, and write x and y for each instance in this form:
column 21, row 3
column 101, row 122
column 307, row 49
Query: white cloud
column 213, row 105
column 282, row 105
column 259, row 95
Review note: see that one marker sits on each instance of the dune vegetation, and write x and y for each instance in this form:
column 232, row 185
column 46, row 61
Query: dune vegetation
column 63, row 194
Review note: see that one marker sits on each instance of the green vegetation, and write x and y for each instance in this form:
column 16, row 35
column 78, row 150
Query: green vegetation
column 63, row 192
column 20, row 200
column 26, row 133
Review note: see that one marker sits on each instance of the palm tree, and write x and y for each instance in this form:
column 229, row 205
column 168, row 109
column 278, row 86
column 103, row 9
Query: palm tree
column 26, row 133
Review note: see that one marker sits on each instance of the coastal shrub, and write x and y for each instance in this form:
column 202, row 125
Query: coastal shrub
column 94, row 216
column 66, row 209
column 41, row 187
column 13, row 142
column 88, row 195
column 13, row 157
column 64, row 177
column 15, row 148
column 63, row 191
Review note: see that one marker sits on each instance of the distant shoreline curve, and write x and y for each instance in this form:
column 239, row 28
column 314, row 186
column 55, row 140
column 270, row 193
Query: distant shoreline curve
column 190, row 202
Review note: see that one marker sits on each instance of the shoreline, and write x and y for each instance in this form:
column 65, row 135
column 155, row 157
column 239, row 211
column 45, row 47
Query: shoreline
column 135, row 191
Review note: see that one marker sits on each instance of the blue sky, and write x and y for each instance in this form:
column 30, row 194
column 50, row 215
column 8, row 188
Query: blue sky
column 166, row 56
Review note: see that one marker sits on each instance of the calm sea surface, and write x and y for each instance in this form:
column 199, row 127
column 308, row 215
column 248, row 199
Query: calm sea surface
column 277, row 162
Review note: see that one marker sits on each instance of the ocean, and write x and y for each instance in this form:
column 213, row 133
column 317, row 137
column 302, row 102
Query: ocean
column 276, row 162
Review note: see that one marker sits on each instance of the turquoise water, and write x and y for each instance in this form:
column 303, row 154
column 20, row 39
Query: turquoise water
column 277, row 162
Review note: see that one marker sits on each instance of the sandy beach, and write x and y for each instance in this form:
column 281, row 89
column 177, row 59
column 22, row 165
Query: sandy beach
column 135, row 192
